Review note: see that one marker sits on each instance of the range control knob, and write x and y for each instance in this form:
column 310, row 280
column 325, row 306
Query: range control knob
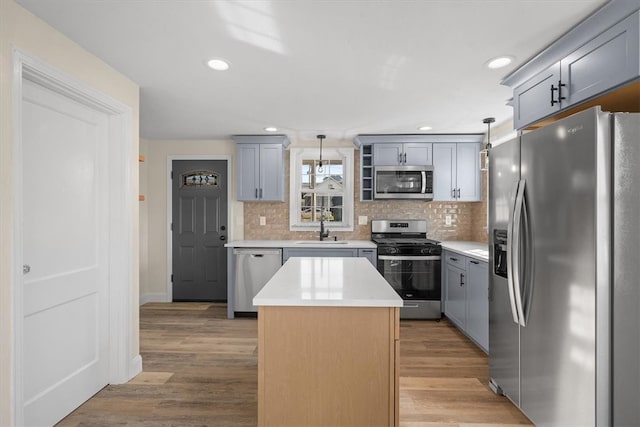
column 391, row 250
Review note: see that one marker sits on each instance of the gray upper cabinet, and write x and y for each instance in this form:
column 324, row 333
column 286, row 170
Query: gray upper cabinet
column 410, row 154
column 456, row 172
column 533, row 99
column 260, row 170
column 457, row 169
column 598, row 56
column 605, row 62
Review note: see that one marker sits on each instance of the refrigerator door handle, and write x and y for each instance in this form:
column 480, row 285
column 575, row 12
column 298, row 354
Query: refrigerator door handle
column 527, row 288
column 515, row 252
column 510, row 252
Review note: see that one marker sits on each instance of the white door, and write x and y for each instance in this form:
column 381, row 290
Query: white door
column 65, row 246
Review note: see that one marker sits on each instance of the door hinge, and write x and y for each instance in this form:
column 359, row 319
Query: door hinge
column 172, row 278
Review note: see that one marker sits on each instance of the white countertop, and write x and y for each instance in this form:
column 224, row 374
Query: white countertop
column 477, row 250
column 347, row 244
column 328, row 282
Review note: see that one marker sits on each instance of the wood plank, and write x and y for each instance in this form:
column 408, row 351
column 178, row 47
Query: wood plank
column 443, row 376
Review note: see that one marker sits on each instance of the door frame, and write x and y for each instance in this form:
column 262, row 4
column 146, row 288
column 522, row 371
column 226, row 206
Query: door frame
column 170, row 159
column 122, row 365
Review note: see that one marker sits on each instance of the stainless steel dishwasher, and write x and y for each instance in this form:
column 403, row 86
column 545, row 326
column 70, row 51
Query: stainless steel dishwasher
column 254, row 267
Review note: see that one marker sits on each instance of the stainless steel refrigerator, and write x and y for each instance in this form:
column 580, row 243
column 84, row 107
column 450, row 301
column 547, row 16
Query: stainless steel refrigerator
column 564, row 283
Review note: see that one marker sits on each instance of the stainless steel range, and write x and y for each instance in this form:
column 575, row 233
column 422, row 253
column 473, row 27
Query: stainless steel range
column 411, row 264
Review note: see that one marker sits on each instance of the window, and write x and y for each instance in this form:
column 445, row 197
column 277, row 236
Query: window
column 325, row 193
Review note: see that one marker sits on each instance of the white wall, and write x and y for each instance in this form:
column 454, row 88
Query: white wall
column 153, row 211
column 20, row 29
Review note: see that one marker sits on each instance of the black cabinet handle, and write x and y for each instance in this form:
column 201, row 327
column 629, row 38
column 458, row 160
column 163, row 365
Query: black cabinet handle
column 453, row 259
column 559, row 90
column 461, row 279
column 474, row 262
column 256, row 193
column 405, row 157
column 458, row 193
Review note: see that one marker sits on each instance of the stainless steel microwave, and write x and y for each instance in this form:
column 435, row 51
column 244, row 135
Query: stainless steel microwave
column 403, row 182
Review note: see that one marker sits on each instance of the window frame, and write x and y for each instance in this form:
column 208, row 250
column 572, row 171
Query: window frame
column 297, row 155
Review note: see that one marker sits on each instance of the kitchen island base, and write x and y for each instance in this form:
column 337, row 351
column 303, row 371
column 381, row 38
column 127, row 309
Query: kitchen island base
column 323, row 365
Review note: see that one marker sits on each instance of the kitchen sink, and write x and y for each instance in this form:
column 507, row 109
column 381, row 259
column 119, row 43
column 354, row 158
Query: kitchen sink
column 321, row 242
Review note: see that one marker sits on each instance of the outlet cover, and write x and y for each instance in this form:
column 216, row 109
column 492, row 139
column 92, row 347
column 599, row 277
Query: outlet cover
column 263, row 220
column 447, row 220
column 362, row 220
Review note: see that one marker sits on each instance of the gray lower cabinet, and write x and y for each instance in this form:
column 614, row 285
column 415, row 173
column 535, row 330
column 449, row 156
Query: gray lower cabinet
column 478, row 302
column 370, row 254
column 466, row 294
column 608, row 60
column 456, row 172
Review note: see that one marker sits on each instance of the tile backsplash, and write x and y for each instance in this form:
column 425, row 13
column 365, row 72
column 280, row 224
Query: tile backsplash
column 468, row 219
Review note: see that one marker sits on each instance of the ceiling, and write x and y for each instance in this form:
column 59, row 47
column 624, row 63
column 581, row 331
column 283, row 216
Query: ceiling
column 314, row 66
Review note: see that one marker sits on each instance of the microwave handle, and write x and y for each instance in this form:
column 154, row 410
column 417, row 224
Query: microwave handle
column 424, row 182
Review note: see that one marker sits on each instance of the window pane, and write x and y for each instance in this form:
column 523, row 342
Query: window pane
column 307, row 174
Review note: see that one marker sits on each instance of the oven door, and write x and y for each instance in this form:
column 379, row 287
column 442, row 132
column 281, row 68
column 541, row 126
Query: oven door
column 413, row 277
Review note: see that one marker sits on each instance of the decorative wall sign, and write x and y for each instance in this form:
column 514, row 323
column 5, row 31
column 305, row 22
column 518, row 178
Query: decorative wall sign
column 201, row 179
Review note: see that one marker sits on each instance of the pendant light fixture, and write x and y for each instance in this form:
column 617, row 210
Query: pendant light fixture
column 485, row 165
column 320, row 168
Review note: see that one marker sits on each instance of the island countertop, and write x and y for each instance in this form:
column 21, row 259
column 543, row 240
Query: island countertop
column 328, row 282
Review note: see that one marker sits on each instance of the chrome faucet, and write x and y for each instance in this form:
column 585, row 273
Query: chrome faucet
column 323, row 233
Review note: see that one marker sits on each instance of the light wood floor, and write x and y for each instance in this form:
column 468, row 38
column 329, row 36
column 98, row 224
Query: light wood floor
column 200, row 369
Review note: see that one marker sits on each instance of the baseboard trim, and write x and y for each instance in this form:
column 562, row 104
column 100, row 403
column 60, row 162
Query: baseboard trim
column 135, row 366
column 158, row 297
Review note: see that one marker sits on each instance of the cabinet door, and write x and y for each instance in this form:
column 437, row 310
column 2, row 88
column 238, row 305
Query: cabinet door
column 271, row 173
column 417, row 154
column 444, row 171
column 248, row 157
column 605, row 62
column 387, row 154
column 478, row 302
column 370, row 254
column 455, row 307
column 468, row 188
column 532, row 99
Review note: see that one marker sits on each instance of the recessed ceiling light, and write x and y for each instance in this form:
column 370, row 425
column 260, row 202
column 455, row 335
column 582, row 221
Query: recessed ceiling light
column 271, row 129
column 424, row 128
column 218, row 64
column 499, row 62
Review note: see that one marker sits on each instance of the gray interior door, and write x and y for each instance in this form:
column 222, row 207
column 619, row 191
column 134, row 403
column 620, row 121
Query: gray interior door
column 199, row 230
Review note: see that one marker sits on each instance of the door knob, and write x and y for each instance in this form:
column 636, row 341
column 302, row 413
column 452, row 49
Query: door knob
column 223, row 238
column 26, row 269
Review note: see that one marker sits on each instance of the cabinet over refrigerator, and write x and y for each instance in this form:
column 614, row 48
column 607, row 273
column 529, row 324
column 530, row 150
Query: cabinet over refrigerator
column 564, row 281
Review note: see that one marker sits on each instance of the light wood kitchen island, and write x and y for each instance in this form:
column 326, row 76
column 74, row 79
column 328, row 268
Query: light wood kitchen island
column 328, row 345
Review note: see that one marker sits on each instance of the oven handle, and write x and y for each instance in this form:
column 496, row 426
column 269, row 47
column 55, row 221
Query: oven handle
column 408, row 258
